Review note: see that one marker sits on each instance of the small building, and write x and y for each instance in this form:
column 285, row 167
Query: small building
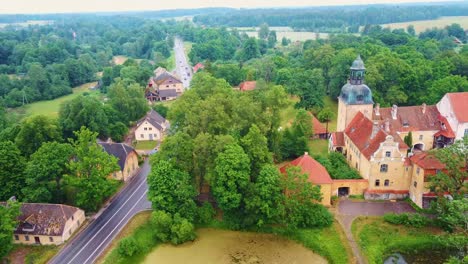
column 317, row 174
column 319, row 130
column 127, row 160
column 151, row 127
column 198, row 67
column 247, row 86
column 47, row 224
column 163, row 86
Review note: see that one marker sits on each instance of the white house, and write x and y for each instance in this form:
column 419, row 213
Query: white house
column 454, row 107
column 151, row 127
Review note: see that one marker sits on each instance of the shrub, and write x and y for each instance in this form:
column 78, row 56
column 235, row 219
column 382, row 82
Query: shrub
column 182, row 230
column 317, row 216
column 205, row 213
column 174, row 229
column 128, row 247
column 411, row 220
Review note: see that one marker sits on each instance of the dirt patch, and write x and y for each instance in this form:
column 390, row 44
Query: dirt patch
column 18, row 256
column 231, row 247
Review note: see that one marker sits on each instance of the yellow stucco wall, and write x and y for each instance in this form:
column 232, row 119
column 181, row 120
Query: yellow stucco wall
column 325, row 190
column 418, row 186
column 356, row 187
column 70, row 227
column 421, row 137
column 178, row 86
column 141, row 134
column 131, row 167
column 346, row 113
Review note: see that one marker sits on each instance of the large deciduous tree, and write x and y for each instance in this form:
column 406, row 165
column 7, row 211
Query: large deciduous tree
column 11, row 170
column 35, row 131
column 8, row 222
column 256, row 147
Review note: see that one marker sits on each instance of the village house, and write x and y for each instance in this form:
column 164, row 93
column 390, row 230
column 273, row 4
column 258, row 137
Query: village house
column 373, row 139
column 247, row 86
column 454, row 107
column 47, row 224
column 163, row 86
column 127, row 160
column 198, row 67
column 319, row 130
column 151, row 127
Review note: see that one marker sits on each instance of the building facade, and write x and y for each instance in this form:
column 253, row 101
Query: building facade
column 127, row 159
column 151, row 127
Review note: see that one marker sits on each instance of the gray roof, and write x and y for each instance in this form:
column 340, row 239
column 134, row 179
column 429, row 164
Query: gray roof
column 353, row 94
column 118, row 150
column 153, row 118
column 167, row 93
column 165, row 76
column 358, row 64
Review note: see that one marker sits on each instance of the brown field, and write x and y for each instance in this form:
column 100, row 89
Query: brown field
column 422, row 25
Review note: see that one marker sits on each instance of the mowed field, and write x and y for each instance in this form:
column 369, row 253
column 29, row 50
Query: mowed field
column 293, row 36
column 422, row 25
column 51, row 107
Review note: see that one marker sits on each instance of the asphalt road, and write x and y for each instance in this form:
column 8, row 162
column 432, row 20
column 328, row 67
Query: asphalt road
column 183, row 68
column 91, row 242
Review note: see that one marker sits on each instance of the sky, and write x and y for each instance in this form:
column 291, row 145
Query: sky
column 75, row 6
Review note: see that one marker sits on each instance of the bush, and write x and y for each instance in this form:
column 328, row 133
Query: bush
column 411, row 220
column 128, row 247
column 174, row 229
column 317, row 216
column 205, row 213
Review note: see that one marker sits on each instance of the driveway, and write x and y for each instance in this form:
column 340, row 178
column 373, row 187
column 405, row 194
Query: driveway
column 348, row 211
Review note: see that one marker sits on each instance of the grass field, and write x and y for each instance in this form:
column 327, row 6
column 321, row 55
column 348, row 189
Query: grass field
column 146, row 145
column 51, row 107
column 32, row 254
column 293, row 36
column 378, row 238
column 422, row 25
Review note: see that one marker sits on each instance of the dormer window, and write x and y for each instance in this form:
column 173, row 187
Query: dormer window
column 405, row 123
column 27, row 227
column 360, row 98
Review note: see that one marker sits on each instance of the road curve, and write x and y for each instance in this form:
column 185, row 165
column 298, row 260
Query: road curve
column 89, row 244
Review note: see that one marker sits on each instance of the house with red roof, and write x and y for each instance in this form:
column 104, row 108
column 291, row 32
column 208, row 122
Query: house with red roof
column 319, row 130
column 454, row 108
column 197, row 67
column 317, row 174
column 247, row 86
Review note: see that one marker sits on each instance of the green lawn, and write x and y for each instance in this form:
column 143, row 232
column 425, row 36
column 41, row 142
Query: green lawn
column 378, row 238
column 289, row 113
column 318, row 147
column 146, row 145
column 333, row 105
column 171, row 61
column 51, row 107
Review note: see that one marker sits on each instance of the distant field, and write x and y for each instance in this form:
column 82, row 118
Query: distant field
column 51, row 107
column 293, row 36
column 28, row 23
column 119, row 60
column 277, row 29
column 422, row 25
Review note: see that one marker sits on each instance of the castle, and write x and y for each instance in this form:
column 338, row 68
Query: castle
column 373, row 140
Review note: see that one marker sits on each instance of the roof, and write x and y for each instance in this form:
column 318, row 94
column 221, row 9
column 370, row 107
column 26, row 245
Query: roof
column 358, row 64
column 118, row 150
column 165, row 78
column 44, row 219
column 168, row 93
column 154, row 118
column 446, row 129
column 459, row 103
column 338, row 139
column 317, row 126
column 360, row 130
column 198, row 66
column 247, row 85
column 353, row 94
column 411, row 118
column 316, row 172
column 427, row 161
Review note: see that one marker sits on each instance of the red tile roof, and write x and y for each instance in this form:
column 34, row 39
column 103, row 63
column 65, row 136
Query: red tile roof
column 247, row 85
column 338, row 139
column 459, row 105
column 359, row 131
column 411, row 118
column 446, row 129
column 427, row 161
column 317, row 173
column 317, row 126
column 198, row 66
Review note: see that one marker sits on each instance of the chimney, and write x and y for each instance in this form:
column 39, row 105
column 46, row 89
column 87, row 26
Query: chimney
column 375, row 129
column 394, row 112
column 306, row 153
column 387, row 125
column 377, row 109
column 424, row 108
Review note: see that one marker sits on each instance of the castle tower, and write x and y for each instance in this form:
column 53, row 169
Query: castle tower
column 355, row 96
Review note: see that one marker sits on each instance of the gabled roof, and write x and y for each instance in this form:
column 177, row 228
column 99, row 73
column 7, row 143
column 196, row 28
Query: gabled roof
column 360, row 130
column 247, row 85
column 165, row 78
column 427, row 161
column 338, row 139
column 43, row 219
column 317, row 126
column 154, row 118
column 198, row 66
column 118, row 150
column 316, row 172
column 459, row 103
column 411, row 118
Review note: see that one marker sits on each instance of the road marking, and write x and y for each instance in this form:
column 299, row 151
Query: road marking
column 104, row 240
column 107, row 221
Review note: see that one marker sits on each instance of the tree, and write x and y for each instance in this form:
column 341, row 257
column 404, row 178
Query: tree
column 302, row 124
column 453, row 214
column 178, row 150
column 301, row 202
column 231, row 177
column 310, row 86
column 408, row 139
column 8, row 222
column 118, row 131
column 172, row 228
column 449, row 84
column 410, row 30
column 128, row 247
column 170, row 190
column 265, row 203
column 272, row 39
column 284, row 42
column 11, row 171
column 129, row 100
column 44, row 173
column 89, row 170
column 250, row 49
column 161, row 109
column 256, row 147
column 326, row 115
column 263, row 31
column 35, row 131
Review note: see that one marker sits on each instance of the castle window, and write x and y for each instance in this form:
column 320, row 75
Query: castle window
column 383, row 168
column 377, row 182
column 388, row 154
column 51, row 239
column 466, row 131
column 415, row 184
column 386, row 183
column 417, row 171
column 356, row 165
column 420, row 137
column 149, row 128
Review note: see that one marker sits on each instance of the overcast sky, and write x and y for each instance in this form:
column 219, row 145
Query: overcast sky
column 61, row 6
